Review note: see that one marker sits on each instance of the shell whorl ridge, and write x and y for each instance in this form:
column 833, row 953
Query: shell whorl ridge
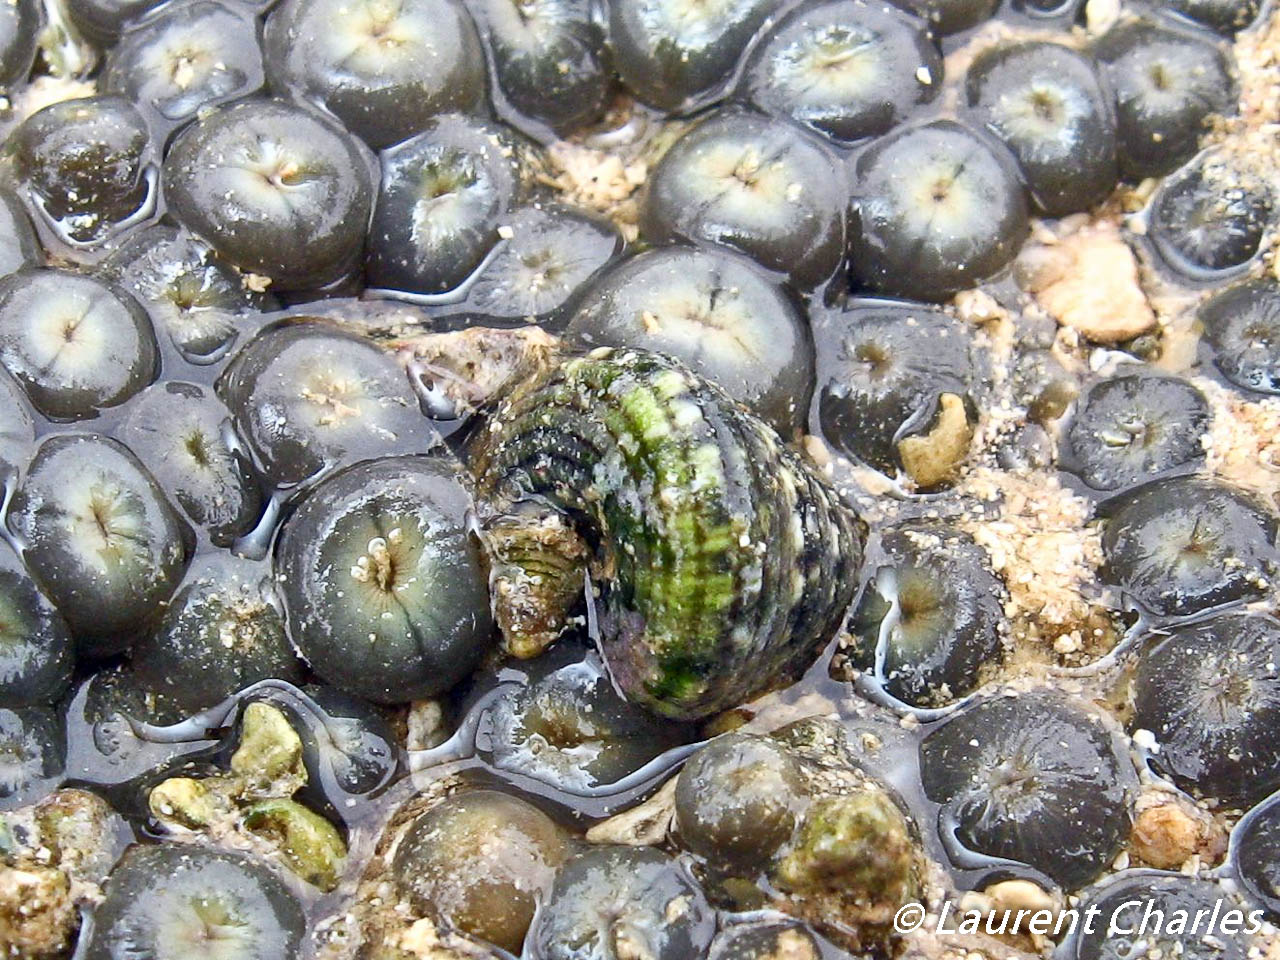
column 724, row 560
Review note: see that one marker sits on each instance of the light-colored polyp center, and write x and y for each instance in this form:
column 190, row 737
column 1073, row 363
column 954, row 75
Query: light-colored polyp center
column 377, row 567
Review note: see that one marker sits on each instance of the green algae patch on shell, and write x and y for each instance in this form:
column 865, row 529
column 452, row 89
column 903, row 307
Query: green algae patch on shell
column 723, row 560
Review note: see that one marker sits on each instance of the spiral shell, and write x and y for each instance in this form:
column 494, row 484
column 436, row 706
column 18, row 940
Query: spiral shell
column 724, row 560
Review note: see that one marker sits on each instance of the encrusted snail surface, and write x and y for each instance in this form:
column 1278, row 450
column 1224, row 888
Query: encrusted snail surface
column 724, row 561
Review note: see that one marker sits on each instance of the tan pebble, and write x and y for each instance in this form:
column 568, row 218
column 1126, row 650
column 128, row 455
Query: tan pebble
column 629, row 945
column 1039, row 265
column 934, row 458
column 1099, row 296
column 643, row 825
column 793, row 945
column 1019, row 895
column 979, row 307
column 1165, row 836
column 1066, row 644
column 422, row 941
